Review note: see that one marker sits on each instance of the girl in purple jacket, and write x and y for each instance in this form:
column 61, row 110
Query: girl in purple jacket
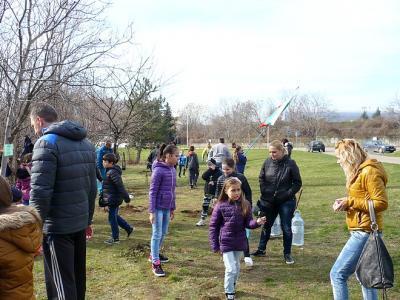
column 227, row 235
column 162, row 202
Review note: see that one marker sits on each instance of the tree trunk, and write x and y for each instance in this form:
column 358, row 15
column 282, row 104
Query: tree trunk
column 138, row 152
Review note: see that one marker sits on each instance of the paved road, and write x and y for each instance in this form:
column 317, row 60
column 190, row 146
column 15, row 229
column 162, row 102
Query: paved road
column 379, row 157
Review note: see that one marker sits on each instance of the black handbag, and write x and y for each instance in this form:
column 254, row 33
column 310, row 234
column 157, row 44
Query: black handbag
column 375, row 267
column 102, row 202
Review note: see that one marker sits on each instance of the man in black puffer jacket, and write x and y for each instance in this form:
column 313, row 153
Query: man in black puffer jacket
column 279, row 180
column 63, row 190
column 114, row 192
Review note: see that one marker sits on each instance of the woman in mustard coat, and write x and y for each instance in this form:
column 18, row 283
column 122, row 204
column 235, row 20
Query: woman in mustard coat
column 20, row 238
column 365, row 179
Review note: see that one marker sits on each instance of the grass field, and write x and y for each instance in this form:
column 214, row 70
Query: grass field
column 194, row 272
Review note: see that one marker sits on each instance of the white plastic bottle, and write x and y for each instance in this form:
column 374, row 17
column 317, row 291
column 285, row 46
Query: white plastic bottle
column 276, row 229
column 298, row 229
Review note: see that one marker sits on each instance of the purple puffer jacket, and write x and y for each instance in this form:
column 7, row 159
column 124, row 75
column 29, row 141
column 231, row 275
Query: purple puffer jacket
column 25, row 186
column 162, row 187
column 227, row 227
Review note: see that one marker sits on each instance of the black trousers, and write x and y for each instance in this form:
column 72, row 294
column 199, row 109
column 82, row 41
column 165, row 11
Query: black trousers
column 65, row 265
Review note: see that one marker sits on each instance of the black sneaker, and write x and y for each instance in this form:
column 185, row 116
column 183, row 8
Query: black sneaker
column 258, row 252
column 288, row 259
column 111, row 241
column 157, row 270
column 129, row 232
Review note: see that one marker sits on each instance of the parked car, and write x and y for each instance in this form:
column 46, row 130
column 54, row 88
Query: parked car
column 378, row 146
column 316, row 146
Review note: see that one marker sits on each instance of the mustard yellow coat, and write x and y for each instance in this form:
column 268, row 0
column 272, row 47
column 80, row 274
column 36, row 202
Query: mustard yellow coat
column 20, row 238
column 370, row 181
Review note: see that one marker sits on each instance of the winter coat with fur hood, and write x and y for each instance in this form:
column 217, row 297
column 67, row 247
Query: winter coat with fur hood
column 20, row 238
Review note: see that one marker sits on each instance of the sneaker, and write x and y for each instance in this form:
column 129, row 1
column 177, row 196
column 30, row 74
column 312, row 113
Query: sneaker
column 201, row 223
column 162, row 258
column 111, row 241
column 258, row 252
column 288, row 259
column 230, row 296
column 157, row 270
column 248, row 261
column 129, row 232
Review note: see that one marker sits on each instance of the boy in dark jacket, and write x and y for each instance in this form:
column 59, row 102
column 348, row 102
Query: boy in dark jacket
column 114, row 192
column 211, row 176
column 192, row 163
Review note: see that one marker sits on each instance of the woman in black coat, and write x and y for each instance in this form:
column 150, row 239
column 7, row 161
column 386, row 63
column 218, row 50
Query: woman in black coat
column 280, row 180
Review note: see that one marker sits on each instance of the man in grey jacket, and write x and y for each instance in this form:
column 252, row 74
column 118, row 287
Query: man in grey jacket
column 219, row 152
column 63, row 190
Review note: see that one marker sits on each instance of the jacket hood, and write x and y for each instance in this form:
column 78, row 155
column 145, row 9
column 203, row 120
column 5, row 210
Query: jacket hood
column 116, row 168
column 376, row 165
column 161, row 164
column 68, row 129
column 15, row 217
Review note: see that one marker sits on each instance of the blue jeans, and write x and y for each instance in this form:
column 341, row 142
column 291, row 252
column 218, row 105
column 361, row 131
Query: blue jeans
column 100, row 184
column 285, row 211
column 345, row 266
column 160, row 229
column 232, row 269
column 115, row 220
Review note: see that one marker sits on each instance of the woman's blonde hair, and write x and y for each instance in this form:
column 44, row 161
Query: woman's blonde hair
column 231, row 181
column 278, row 145
column 351, row 155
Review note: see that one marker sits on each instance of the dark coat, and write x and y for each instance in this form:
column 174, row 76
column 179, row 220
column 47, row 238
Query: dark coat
column 241, row 163
column 227, row 227
column 192, row 162
column 113, row 187
column 245, row 186
column 162, row 187
column 211, row 176
column 63, row 181
column 279, row 180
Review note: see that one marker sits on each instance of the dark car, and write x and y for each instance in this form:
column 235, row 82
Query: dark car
column 316, row 146
column 378, row 146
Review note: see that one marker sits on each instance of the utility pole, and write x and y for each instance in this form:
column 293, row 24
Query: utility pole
column 4, row 158
column 187, row 130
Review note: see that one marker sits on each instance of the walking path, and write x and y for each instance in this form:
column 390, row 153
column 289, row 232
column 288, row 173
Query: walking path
column 379, row 157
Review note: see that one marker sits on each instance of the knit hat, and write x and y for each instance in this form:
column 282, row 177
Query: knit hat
column 211, row 162
column 16, row 194
column 5, row 193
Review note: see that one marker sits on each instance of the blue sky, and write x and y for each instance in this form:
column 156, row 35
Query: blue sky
column 205, row 51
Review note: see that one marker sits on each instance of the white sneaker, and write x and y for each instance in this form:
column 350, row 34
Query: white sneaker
column 201, row 223
column 248, row 261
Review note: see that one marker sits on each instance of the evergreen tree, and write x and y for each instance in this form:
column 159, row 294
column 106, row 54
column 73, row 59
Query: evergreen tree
column 377, row 114
column 364, row 115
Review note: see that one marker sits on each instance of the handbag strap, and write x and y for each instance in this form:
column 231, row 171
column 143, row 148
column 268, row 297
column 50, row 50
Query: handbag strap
column 372, row 216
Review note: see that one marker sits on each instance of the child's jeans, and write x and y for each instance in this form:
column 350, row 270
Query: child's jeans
column 232, row 269
column 345, row 266
column 115, row 220
column 160, row 229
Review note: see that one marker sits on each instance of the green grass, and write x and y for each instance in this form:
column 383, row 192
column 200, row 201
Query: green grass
column 194, row 272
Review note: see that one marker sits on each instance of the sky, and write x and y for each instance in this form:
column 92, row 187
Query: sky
column 206, row 51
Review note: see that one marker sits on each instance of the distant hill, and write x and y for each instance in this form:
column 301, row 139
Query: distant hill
column 342, row 116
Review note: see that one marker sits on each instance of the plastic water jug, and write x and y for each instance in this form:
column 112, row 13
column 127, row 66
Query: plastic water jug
column 276, row 229
column 297, row 229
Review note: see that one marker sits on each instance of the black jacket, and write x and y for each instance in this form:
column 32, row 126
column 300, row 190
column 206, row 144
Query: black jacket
column 113, row 187
column 63, row 181
column 245, row 185
column 279, row 180
column 192, row 162
column 209, row 176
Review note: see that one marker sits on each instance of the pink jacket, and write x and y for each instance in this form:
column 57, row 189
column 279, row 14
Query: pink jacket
column 25, row 186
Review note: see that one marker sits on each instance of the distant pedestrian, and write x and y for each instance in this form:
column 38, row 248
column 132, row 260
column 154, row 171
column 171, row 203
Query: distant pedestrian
column 240, row 159
column 162, row 203
column 192, row 164
column 63, row 190
column 153, row 155
column 288, row 146
column 219, row 152
column 114, row 193
column 106, row 148
column 23, row 181
column 206, row 150
column 182, row 163
column 227, row 235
